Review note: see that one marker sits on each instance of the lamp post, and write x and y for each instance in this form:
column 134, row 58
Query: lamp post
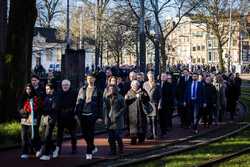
column 142, row 37
column 80, row 31
column 230, row 36
column 67, row 25
column 157, row 42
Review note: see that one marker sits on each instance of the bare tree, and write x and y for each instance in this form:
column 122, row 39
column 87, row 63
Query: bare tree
column 119, row 35
column 156, row 10
column 48, row 11
column 216, row 15
column 163, row 29
column 101, row 7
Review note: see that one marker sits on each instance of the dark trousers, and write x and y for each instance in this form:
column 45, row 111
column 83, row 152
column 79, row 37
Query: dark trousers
column 163, row 120
column 88, row 130
column 70, row 125
column 166, row 115
column 140, row 136
column 208, row 115
column 231, row 107
column 184, row 116
column 151, row 126
column 113, row 137
column 48, row 145
column 29, row 145
column 194, row 114
column 221, row 113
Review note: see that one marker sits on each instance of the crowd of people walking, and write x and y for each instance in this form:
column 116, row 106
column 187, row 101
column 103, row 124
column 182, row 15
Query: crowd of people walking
column 143, row 104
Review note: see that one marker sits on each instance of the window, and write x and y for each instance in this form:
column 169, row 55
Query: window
column 209, row 44
column 194, row 48
column 203, row 60
column 199, row 60
column 49, row 55
column 234, row 42
column 209, row 56
column 194, row 61
column 202, row 47
column 198, row 48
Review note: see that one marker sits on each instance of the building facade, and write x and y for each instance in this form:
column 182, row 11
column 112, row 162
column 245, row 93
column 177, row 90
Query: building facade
column 47, row 49
column 192, row 42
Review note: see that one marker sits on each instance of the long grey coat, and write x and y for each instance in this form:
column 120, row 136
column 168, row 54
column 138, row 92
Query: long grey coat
column 114, row 108
column 154, row 94
column 221, row 95
column 137, row 113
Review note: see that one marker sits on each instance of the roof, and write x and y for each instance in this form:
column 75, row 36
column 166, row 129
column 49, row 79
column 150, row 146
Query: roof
column 48, row 33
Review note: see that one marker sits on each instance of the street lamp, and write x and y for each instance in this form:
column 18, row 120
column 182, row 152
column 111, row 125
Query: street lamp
column 67, row 23
column 230, row 35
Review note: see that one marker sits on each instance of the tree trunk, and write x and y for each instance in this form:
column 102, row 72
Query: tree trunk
column 18, row 55
column 3, row 30
column 221, row 61
column 163, row 55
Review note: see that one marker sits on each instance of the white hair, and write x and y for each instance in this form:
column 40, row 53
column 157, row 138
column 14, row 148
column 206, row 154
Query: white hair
column 132, row 73
column 150, row 73
column 135, row 82
column 66, row 82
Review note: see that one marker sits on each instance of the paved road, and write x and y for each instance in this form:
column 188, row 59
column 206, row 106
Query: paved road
column 11, row 158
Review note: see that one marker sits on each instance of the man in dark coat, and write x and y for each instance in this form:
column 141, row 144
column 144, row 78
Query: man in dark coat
column 232, row 96
column 39, row 90
column 65, row 104
column 168, row 102
column 211, row 100
column 127, row 85
column 238, row 81
column 180, row 97
column 137, row 101
column 195, row 100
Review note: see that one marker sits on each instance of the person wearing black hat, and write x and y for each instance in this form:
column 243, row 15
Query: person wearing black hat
column 89, row 110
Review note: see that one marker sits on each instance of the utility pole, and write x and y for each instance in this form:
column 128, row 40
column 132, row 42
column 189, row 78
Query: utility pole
column 157, row 41
column 190, row 45
column 67, row 22
column 241, row 49
column 230, row 36
column 80, row 33
column 97, row 33
column 142, row 37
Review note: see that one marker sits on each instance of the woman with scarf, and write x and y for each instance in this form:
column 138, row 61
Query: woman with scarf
column 29, row 108
column 114, row 108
